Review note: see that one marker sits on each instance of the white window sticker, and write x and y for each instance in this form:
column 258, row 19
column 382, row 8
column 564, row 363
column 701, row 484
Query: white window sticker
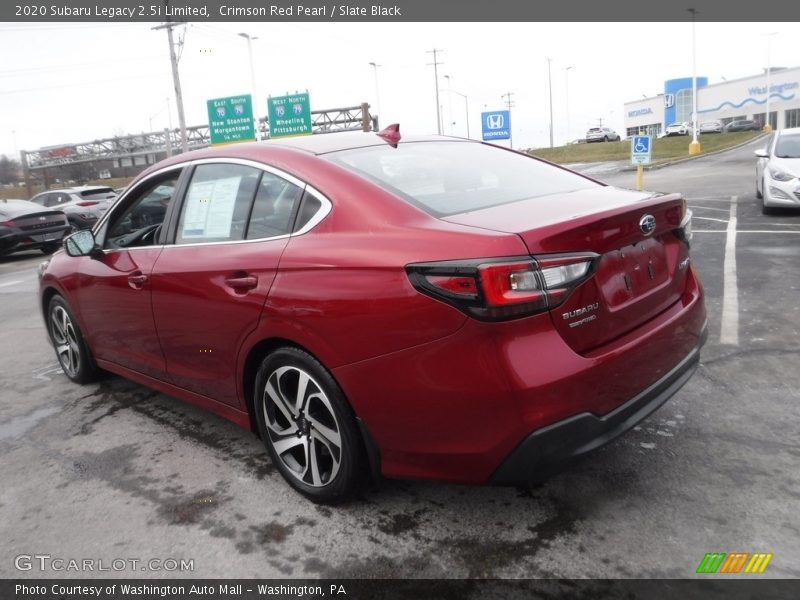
column 209, row 208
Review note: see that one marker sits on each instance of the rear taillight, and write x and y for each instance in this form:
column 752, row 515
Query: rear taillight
column 684, row 230
column 503, row 288
column 87, row 203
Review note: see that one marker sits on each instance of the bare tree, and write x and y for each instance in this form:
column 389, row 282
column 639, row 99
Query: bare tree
column 9, row 170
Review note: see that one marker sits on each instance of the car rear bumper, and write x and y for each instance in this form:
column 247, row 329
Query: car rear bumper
column 457, row 408
column 544, row 451
column 17, row 241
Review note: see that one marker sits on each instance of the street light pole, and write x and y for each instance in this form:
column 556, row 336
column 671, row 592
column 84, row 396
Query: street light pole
column 694, row 147
column 250, row 39
column 449, row 103
column 550, row 91
column 566, row 85
column 767, row 122
column 377, row 93
column 466, row 109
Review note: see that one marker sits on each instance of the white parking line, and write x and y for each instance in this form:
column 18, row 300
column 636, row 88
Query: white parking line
column 709, row 219
column 729, row 332
column 709, row 208
column 7, row 283
column 770, row 231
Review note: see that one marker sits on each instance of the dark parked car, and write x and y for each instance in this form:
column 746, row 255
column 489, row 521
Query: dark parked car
column 83, row 205
column 27, row 226
column 484, row 321
column 742, row 125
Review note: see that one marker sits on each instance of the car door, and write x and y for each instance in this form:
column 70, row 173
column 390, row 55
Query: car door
column 115, row 295
column 210, row 286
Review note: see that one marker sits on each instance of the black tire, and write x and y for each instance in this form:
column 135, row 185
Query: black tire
column 605, row 138
column 71, row 350
column 302, row 441
column 759, row 195
column 50, row 248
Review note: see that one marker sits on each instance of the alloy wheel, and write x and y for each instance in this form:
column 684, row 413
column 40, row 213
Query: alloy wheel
column 302, row 426
column 66, row 341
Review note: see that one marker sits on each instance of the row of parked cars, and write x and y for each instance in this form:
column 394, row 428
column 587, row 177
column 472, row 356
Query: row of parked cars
column 42, row 222
column 685, row 127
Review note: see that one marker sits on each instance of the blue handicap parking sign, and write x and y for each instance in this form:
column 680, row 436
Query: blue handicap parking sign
column 641, row 149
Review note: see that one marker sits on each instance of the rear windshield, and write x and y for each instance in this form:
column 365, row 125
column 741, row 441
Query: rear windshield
column 447, row 178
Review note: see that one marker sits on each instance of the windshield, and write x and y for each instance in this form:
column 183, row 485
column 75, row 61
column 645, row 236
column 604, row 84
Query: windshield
column 788, row 146
column 447, row 178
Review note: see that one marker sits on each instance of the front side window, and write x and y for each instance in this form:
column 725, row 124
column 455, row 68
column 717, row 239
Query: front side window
column 138, row 221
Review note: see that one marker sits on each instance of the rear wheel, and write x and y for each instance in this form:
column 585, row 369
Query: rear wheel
column 71, row 349
column 307, row 426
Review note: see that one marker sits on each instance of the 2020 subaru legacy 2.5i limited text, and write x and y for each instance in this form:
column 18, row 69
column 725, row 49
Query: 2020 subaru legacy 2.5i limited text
column 369, row 305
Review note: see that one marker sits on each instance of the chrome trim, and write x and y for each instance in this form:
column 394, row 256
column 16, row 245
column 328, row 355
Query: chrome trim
column 323, row 212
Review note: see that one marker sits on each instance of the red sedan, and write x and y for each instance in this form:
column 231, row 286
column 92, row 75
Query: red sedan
column 421, row 307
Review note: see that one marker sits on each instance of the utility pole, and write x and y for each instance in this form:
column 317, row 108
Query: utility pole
column 436, row 64
column 509, row 103
column 176, row 80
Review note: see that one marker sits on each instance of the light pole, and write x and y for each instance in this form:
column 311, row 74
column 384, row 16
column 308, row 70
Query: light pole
column 694, row 146
column 449, row 103
column 377, row 93
column 550, row 91
column 566, row 88
column 767, row 122
column 466, row 109
column 436, row 64
column 250, row 39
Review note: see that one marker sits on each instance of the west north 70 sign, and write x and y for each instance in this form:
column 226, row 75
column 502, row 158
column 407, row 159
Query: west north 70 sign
column 289, row 115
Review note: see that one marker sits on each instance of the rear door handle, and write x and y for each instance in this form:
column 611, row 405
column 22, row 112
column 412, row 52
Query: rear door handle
column 242, row 283
column 137, row 279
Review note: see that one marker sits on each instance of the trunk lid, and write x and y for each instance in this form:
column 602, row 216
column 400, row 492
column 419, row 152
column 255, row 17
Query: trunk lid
column 637, row 275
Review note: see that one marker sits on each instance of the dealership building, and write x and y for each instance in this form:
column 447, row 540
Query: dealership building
column 726, row 101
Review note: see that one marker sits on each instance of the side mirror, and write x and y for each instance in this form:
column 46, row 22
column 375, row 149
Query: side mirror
column 762, row 153
column 82, row 243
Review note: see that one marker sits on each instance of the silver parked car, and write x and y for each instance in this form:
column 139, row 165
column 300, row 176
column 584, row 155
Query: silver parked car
column 602, row 134
column 778, row 171
column 710, row 127
column 83, row 205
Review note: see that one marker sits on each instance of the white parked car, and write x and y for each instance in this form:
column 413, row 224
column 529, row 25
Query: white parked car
column 683, row 128
column 778, row 171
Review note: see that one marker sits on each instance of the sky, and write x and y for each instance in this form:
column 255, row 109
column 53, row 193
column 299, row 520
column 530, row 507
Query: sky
column 63, row 83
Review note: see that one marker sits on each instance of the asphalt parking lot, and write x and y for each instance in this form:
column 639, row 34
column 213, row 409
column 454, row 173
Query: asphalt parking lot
column 116, row 471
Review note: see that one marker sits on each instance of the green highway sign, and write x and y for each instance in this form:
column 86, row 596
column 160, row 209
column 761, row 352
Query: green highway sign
column 230, row 120
column 289, row 115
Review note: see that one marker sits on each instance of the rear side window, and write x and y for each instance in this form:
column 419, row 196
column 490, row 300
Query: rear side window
column 274, row 208
column 102, row 192
column 217, row 203
column 446, row 178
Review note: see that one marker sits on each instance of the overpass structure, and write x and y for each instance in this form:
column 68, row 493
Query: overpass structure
column 142, row 147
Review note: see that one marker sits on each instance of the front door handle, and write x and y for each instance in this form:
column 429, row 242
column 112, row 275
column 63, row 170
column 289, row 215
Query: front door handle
column 242, row 283
column 137, row 280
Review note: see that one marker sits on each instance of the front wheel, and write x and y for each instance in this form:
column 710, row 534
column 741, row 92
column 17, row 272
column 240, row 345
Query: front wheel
column 307, row 426
column 759, row 195
column 71, row 349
